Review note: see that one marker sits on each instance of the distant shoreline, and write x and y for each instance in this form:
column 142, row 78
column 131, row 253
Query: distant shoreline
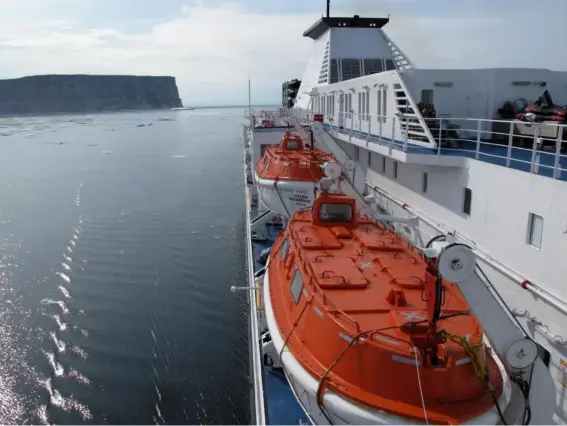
column 130, row 111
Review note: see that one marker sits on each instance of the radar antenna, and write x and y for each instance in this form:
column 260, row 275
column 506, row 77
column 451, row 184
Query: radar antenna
column 328, row 8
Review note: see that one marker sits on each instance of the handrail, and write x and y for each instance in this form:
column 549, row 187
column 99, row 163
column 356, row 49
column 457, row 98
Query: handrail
column 473, row 140
column 258, row 375
column 515, row 276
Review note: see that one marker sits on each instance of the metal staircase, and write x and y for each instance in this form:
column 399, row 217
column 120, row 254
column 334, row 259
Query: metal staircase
column 412, row 123
column 401, row 61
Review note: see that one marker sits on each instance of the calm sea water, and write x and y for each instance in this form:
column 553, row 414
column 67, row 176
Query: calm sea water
column 120, row 236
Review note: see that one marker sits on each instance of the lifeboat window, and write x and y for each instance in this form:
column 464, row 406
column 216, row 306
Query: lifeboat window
column 284, row 249
column 335, row 212
column 296, row 285
column 292, row 145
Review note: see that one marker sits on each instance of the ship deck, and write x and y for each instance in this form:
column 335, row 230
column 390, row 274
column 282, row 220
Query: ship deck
column 281, row 405
column 493, row 153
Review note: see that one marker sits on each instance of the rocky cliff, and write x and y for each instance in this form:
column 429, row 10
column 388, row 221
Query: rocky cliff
column 86, row 93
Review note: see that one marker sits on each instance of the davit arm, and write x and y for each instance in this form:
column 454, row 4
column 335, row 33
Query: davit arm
column 519, row 354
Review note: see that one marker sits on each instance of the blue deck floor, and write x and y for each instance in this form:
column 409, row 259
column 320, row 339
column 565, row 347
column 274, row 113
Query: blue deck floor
column 520, row 158
column 281, row 406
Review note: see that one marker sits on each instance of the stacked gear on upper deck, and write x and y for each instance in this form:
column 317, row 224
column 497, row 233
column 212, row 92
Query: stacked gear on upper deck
column 541, row 110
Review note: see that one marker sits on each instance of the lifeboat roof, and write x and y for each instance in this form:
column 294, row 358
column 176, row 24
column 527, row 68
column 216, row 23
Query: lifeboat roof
column 292, row 159
column 337, row 275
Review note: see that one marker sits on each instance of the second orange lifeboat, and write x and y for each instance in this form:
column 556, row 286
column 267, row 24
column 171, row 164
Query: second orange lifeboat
column 368, row 332
column 287, row 174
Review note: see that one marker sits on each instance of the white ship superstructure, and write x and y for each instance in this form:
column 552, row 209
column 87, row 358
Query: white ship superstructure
column 473, row 156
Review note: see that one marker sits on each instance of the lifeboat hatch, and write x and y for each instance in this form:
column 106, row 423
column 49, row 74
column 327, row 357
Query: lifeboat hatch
column 321, row 239
column 341, row 232
column 374, row 239
column 339, row 274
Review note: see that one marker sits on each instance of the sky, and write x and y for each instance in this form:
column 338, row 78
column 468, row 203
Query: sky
column 212, row 46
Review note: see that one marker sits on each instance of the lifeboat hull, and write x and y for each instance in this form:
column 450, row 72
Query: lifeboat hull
column 285, row 197
column 339, row 409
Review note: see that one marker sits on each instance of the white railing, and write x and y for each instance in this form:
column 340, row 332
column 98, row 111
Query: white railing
column 256, row 361
column 538, row 148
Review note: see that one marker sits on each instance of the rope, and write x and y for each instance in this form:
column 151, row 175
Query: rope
column 415, row 351
column 472, row 351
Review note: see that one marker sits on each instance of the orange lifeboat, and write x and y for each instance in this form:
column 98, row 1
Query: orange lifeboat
column 287, row 174
column 367, row 330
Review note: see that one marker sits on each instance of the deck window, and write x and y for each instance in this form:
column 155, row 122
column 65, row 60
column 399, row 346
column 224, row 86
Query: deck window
column 333, row 105
column 335, row 212
column 396, row 169
column 384, row 103
column 356, row 153
column 359, row 111
column 367, row 103
column 379, row 105
column 467, row 201
column 424, row 187
column 543, row 354
column 383, row 164
column 369, row 158
column 284, row 249
column 296, row 286
column 535, row 230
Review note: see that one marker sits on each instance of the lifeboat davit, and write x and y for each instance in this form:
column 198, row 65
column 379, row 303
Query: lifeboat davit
column 288, row 173
column 367, row 330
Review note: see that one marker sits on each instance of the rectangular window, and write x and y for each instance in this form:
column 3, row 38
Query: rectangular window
column 424, row 187
column 367, row 98
column 296, row 286
column 467, row 201
column 383, row 164
column 395, row 169
column 333, row 105
column 535, row 230
column 356, row 153
column 359, row 110
column 379, row 105
column 543, row 354
column 384, row 104
column 369, row 158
